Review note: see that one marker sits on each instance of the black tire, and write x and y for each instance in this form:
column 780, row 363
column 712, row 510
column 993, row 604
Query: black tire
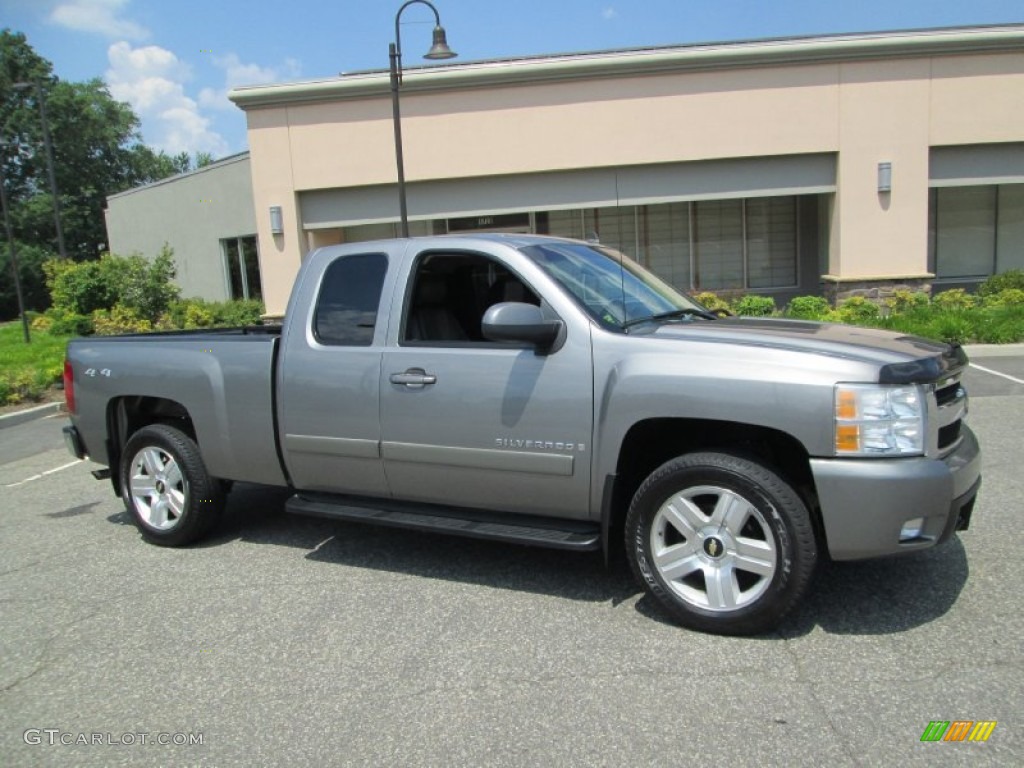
column 166, row 488
column 722, row 543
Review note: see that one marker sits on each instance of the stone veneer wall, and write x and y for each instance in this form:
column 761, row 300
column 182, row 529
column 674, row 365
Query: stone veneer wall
column 876, row 289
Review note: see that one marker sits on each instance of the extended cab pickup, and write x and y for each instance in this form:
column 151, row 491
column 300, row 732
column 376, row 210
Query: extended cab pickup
column 549, row 392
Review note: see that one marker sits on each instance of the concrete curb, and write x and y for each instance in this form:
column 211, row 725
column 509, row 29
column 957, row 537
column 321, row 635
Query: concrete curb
column 20, row 417
column 994, row 350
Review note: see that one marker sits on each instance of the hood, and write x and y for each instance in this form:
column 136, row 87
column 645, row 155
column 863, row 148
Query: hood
column 902, row 359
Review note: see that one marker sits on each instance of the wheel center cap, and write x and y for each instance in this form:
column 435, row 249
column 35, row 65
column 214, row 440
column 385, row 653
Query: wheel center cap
column 713, row 547
column 160, row 487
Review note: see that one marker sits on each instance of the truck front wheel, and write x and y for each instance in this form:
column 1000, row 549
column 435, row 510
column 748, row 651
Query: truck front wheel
column 166, row 488
column 722, row 542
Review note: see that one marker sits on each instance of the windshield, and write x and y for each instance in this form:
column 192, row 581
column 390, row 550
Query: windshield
column 613, row 289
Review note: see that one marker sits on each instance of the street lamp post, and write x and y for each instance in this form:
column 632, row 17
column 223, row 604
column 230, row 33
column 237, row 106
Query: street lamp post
column 439, row 50
column 48, row 142
column 14, row 255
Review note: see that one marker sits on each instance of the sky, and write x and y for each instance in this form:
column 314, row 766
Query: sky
column 174, row 61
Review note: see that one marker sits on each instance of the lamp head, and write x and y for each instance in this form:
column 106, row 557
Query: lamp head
column 440, row 49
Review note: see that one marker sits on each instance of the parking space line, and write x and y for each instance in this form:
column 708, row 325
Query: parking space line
column 44, row 474
column 997, row 373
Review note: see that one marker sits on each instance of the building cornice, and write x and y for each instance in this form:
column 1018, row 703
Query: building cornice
column 642, row 61
column 238, row 157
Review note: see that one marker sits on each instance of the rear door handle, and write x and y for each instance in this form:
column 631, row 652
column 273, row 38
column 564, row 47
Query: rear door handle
column 414, row 378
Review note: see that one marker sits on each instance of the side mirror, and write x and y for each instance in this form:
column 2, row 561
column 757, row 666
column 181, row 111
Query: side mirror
column 514, row 321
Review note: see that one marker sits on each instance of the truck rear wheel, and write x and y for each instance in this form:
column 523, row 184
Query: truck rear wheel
column 166, row 487
column 723, row 543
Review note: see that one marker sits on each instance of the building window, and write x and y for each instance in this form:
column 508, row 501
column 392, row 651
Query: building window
column 712, row 245
column 736, row 244
column 976, row 231
column 567, row 223
column 771, row 242
column 748, row 244
column 718, row 245
column 615, row 227
column 665, row 249
column 242, row 263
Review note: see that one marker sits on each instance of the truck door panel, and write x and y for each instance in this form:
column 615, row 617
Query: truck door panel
column 472, row 423
column 330, row 382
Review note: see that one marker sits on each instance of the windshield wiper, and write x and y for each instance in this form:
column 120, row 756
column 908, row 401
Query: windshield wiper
column 675, row 314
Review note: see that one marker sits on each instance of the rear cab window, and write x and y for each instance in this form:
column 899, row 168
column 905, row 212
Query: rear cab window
column 347, row 305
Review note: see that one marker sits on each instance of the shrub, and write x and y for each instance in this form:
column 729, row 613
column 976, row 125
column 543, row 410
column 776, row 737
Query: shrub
column 857, row 310
column 1013, row 278
column 175, row 314
column 710, row 300
column 82, row 288
column 199, row 313
column 808, row 308
column 1008, row 297
column 956, row 299
column 120, row 319
column 198, row 316
column 907, row 301
column 23, row 386
column 951, row 327
column 754, row 306
column 61, row 322
column 147, row 286
column 140, row 284
column 238, row 313
column 1000, row 325
column 41, row 324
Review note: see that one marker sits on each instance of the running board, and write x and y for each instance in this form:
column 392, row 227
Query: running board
column 518, row 529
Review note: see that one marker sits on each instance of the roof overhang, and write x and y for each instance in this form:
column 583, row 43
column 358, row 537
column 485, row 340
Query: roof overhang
column 642, row 61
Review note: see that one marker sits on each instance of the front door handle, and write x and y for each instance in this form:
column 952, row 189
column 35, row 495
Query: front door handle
column 414, row 378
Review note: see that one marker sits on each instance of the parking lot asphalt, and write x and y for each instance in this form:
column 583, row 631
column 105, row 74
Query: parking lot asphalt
column 293, row 641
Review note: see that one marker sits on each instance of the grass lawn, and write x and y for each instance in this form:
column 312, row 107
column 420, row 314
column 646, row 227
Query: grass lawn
column 28, row 370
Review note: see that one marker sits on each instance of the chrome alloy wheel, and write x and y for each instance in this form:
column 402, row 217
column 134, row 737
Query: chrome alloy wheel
column 158, row 489
column 713, row 548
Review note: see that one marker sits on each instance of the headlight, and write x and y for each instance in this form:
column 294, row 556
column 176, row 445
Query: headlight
column 876, row 420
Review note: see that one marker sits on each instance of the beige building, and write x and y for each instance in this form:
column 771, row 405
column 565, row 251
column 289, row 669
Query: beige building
column 782, row 167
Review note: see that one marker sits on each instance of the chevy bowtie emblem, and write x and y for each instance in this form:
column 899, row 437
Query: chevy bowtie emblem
column 713, row 547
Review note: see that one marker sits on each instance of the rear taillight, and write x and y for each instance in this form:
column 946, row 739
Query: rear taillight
column 69, row 387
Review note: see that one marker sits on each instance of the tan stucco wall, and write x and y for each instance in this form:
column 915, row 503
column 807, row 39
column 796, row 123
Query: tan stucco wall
column 866, row 112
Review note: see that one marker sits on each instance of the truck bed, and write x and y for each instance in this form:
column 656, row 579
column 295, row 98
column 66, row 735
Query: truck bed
column 222, row 378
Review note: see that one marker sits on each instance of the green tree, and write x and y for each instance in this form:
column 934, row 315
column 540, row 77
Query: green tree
column 183, row 162
column 30, row 270
column 97, row 152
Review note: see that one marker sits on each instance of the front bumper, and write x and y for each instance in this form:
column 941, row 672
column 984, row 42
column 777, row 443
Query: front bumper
column 865, row 502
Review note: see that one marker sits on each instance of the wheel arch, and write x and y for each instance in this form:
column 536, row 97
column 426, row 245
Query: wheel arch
column 127, row 414
column 650, row 443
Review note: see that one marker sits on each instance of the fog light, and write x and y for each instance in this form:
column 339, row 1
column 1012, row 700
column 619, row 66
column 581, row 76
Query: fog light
column 912, row 529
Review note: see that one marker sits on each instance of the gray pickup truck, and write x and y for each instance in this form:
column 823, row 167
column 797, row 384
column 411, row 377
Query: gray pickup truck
column 547, row 392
